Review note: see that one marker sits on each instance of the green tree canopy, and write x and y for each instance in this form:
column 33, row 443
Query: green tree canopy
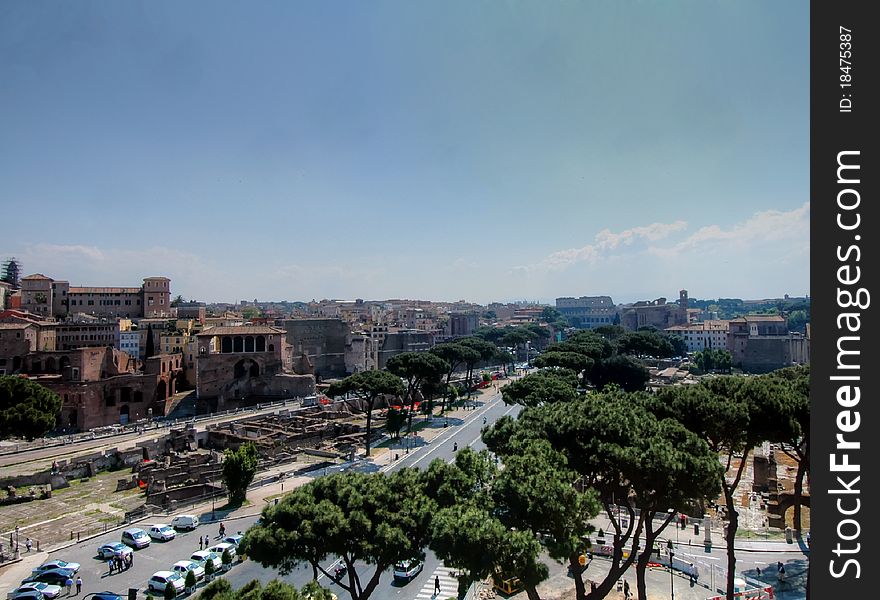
column 239, row 469
column 27, row 409
column 732, row 415
column 415, row 368
column 620, row 370
column 572, row 361
column 455, row 355
column 542, row 387
column 368, row 386
column 622, row 450
column 645, row 343
column 376, row 519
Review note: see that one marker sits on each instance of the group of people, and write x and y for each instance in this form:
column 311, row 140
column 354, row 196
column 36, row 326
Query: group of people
column 69, row 584
column 120, row 563
column 204, row 543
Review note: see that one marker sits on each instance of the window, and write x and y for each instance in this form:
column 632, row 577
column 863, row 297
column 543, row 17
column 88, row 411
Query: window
column 91, row 303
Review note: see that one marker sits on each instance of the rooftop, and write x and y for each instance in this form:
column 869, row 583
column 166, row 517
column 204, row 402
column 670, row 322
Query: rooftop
column 242, row 330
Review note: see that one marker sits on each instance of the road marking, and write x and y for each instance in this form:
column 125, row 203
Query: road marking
column 448, row 585
column 451, row 431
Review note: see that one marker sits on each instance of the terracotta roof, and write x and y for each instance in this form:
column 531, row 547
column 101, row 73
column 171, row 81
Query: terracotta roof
column 15, row 325
column 35, row 276
column 242, row 330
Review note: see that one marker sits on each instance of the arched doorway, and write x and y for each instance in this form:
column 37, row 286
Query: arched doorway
column 124, row 415
column 50, row 365
column 261, row 344
column 246, row 368
column 249, row 343
column 226, row 345
column 237, row 344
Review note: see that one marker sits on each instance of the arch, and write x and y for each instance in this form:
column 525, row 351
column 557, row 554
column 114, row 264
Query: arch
column 261, row 343
column 225, row 345
column 246, row 368
column 63, row 363
column 124, row 414
column 50, row 365
column 249, row 343
column 237, row 344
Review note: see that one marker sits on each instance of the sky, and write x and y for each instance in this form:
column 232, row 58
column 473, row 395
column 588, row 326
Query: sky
column 478, row 150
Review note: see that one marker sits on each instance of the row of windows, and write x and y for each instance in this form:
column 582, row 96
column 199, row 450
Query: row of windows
column 104, row 303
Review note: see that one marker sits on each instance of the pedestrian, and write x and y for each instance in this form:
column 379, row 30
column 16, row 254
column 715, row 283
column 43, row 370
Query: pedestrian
column 28, row 544
column 436, row 585
column 222, row 530
column 79, row 585
column 69, row 584
column 131, row 559
column 758, row 570
column 626, row 589
column 201, row 544
column 206, row 541
column 110, row 565
column 779, row 567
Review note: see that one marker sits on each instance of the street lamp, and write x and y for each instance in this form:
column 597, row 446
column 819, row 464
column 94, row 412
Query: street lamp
column 671, row 578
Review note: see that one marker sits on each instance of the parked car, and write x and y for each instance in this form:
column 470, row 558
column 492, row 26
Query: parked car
column 185, row 566
column 162, row 532
column 48, row 590
column 73, row 567
column 219, row 548
column 53, row 576
column 235, row 540
column 107, row 596
column 113, row 549
column 203, row 556
column 160, row 579
column 29, row 594
column 408, row 569
column 188, row 522
column 136, row 538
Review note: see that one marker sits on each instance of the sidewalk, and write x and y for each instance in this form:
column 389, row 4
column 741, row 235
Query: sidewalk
column 688, row 537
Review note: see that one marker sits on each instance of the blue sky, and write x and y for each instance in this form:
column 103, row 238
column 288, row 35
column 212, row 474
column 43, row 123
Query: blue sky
column 439, row 150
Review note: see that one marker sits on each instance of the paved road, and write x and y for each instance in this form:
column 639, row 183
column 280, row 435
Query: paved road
column 464, row 431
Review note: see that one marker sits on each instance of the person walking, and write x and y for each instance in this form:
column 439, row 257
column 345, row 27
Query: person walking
column 79, row 585
column 222, row 530
column 201, row 543
column 626, row 589
column 436, row 585
column 131, row 559
column 110, row 564
column 28, row 544
column 206, row 541
column 69, row 584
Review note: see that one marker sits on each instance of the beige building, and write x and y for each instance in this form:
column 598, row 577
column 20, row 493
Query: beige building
column 711, row 335
column 45, row 296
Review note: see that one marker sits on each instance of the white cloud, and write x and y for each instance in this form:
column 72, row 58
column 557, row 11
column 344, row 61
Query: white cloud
column 770, row 226
column 604, row 242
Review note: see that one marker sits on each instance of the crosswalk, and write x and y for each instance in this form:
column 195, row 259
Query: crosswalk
column 448, row 585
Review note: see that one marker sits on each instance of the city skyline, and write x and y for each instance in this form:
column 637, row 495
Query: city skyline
column 479, row 151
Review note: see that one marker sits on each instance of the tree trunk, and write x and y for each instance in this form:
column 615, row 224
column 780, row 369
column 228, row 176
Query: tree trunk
column 799, row 491
column 641, row 568
column 580, row 592
column 369, row 423
column 732, row 525
column 532, row 592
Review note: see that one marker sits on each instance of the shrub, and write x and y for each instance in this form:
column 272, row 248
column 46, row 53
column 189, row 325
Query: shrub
column 190, row 580
column 170, row 591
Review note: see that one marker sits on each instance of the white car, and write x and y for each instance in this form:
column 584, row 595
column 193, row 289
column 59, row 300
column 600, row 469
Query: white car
column 203, row 556
column 57, row 564
column 408, row 569
column 160, row 580
column 162, row 532
column 48, row 590
column 185, row 522
column 219, row 548
column 183, row 567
